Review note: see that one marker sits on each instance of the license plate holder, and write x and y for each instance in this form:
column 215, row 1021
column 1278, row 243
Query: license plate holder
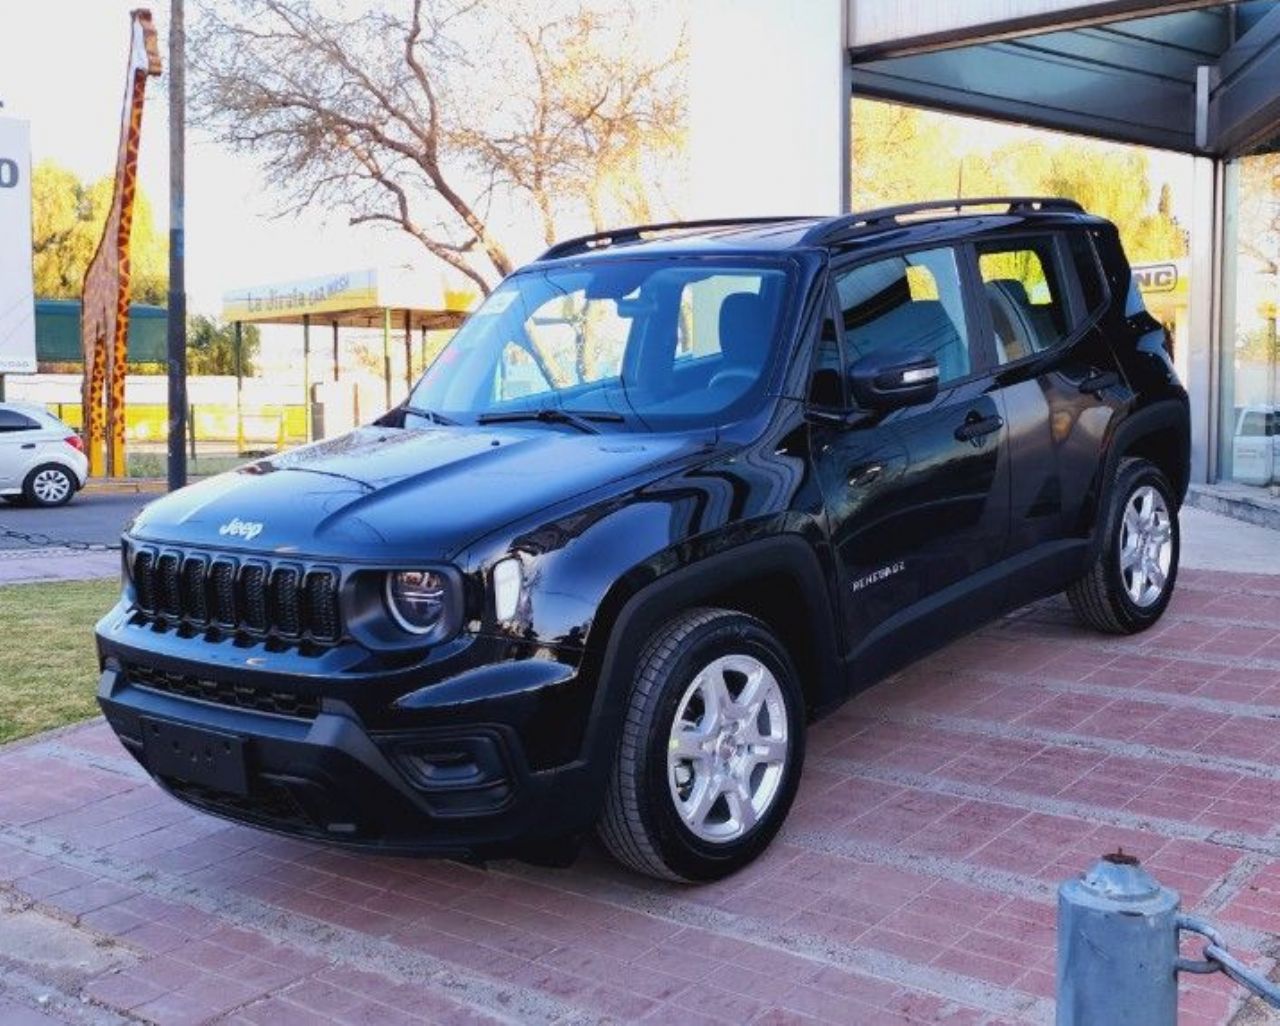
column 196, row 755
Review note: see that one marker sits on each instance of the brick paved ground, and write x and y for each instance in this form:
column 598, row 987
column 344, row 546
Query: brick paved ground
column 914, row 882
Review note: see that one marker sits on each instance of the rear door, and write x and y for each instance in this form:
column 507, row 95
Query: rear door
column 917, row 499
column 20, row 437
column 1060, row 385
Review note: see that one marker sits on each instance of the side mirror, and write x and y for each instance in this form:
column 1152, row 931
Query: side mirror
column 886, row 381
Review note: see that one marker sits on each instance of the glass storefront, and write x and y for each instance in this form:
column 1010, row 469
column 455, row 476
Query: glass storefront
column 1249, row 427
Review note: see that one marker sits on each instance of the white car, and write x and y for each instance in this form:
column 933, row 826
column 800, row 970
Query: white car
column 42, row 461
column 1256, row 446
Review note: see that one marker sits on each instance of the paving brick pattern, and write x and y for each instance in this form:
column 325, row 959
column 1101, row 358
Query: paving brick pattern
column 914, row 882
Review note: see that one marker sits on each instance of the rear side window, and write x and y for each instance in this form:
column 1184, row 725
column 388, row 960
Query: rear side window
column 12, row 420
column 1025, row 296
column 910, row 302
column 1256, row 424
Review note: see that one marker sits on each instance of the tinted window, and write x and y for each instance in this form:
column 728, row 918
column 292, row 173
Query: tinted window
column 1025, row 296
column 911, row 302
column 1254, row 425
column 1085, row 261
column 12, row 420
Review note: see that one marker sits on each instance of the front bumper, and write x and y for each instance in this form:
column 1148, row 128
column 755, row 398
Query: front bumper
column 461, row 787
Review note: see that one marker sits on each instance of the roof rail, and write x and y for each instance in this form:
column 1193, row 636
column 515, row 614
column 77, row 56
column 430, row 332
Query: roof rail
column 602, row 240
column 883, row 216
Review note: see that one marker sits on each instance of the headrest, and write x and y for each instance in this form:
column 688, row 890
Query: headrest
column 744, row 329
column 1011, row 288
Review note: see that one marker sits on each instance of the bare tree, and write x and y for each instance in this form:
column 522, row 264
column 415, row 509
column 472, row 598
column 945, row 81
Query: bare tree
column 420, row 119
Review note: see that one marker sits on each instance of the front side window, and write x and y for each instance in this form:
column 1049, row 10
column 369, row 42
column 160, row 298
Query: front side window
column 662, row 344
column 909, row 303
column 1026, row 300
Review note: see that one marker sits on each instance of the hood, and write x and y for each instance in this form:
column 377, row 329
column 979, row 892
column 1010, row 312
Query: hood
column 380, row 493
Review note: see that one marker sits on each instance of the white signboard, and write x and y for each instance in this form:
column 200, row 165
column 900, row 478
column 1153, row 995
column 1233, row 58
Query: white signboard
column 17, row 298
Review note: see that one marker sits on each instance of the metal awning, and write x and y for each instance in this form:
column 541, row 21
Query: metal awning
column 1203, row 79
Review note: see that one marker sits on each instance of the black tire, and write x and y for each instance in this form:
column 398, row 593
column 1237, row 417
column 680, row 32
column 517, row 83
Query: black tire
column 33, row 497
column 1100, row 598
column 641, row 825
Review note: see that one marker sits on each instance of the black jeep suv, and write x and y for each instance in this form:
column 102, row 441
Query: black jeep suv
column 670, row 493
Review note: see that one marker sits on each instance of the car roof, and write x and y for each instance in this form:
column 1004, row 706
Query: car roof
column 777, row 234
column 21, row 406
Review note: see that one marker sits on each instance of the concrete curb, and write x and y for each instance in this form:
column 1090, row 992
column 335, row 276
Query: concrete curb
column 1240, row 507
column 125, row 485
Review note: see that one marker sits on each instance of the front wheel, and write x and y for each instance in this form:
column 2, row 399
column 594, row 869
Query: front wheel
column 1131, row 581
column 711, row 749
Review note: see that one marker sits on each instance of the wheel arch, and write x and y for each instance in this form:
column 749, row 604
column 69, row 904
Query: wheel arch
column 779, row 580
column 1160, row 433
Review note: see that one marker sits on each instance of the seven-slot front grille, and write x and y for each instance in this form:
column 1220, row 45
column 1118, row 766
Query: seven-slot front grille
column 255, row 596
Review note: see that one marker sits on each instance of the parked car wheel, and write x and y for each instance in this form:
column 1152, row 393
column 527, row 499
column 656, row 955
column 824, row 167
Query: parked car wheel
column 49, row 485
column 711, row 750
column 1130, row 583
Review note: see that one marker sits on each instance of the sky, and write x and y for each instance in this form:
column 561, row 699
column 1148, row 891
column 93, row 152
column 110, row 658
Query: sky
column 72, row 92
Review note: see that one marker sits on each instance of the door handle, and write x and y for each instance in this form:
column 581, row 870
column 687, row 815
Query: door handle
column 28, row 445
column 864, row 475
column 1099, row 381
column 976, row 427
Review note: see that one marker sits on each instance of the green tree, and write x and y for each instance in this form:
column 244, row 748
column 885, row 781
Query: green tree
column 67, row 218
column 902, row 154
column 211, row 347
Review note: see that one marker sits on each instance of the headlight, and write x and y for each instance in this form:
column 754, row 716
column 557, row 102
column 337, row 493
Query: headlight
column 417, row 599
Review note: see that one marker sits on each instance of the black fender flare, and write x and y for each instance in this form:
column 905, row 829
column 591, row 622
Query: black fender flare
column 640, row 602
column 1160, row 416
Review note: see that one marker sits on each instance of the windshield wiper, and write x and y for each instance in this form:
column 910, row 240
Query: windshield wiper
column 431, row 415
column 554, row 415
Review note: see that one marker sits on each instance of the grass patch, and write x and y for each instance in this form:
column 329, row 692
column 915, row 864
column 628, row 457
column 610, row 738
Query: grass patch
column 48, row 664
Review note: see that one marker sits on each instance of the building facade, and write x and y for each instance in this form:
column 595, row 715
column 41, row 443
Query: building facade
column 771, row 85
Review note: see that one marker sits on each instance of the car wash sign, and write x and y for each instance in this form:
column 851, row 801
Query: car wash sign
column 17, row 299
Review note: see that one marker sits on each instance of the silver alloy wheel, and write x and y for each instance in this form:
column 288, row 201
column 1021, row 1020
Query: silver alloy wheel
column 728, row 748
column 51, row 485
column 1146, row 546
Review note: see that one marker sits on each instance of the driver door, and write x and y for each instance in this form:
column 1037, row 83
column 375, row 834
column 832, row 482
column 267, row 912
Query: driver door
column 917, row 499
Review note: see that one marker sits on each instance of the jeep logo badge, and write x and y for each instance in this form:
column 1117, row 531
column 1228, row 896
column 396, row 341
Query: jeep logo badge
column 237, row 528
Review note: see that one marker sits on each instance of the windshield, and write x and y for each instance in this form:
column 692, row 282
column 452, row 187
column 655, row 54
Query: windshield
column 654, row 344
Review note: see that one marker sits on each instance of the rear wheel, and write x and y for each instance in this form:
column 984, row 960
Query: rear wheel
column 49, row 485
column 711, row 751
column 1131, row 581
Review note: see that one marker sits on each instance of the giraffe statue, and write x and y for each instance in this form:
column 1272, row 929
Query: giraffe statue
column 104, row 324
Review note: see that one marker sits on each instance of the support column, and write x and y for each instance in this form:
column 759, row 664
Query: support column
column 306, row 376
column 386, row 354
column 1204, row 315
column 239, row 388
column 408, row 352
column 763, row 142
column 336, row 362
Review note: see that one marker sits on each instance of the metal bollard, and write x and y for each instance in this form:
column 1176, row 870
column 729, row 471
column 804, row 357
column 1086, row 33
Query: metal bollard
column 1117, row 947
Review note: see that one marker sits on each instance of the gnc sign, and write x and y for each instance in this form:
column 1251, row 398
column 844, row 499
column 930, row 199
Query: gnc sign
column 17, row 301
